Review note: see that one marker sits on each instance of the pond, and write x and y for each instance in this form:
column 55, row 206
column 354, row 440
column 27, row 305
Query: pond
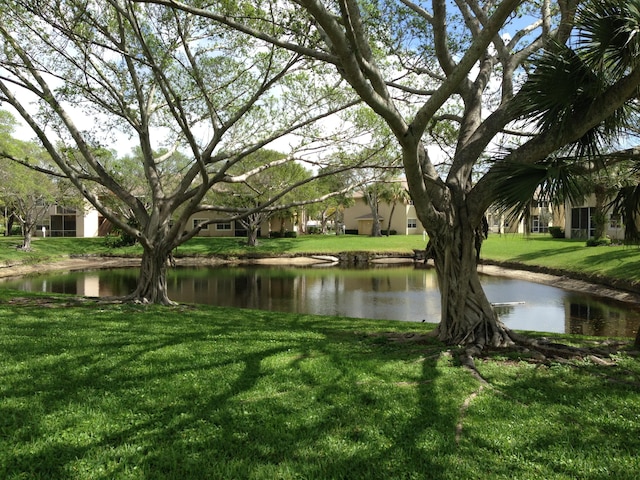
column 395, row 293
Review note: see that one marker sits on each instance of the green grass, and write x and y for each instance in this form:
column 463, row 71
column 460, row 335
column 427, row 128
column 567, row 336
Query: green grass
column 129, row 392
column 620, row 262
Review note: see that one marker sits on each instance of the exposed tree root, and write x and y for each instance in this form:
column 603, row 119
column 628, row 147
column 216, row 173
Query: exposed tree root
column 463, row 411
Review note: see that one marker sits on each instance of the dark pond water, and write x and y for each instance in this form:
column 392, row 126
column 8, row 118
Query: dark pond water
column 395, row 293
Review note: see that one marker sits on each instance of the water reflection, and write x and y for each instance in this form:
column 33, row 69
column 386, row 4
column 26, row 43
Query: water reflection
column 398, row 293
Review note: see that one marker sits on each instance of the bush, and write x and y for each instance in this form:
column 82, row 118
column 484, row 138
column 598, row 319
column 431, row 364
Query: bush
column 556, row 232
column 598, row 242
column 391, row 232
column 288, row 234
column 117, row 238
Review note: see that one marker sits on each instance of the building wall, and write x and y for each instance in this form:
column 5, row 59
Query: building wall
column 87, row 223
column 358, row 218
column 540, row 219
column 579, row 221
column 225, row 229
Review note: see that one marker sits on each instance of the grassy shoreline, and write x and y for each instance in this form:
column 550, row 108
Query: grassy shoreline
column 616, row 266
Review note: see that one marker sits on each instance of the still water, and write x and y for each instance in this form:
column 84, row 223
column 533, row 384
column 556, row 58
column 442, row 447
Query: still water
column 395, row 293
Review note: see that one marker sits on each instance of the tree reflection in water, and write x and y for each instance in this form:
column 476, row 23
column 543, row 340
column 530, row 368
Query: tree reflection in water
column 395, row 293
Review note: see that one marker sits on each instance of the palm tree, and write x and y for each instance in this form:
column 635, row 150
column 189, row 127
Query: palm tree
column 393, row 193
column 564, row 85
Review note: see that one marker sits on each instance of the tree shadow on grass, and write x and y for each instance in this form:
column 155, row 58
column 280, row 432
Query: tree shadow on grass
column 93, row 396
column 194, row 393
column 576, row 420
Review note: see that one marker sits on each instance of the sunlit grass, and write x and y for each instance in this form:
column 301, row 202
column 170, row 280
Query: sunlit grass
column 123, row 391
column 618, row 261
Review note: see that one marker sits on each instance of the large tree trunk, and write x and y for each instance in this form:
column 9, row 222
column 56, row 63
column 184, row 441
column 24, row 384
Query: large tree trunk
column 152, row 280
column 467, row 317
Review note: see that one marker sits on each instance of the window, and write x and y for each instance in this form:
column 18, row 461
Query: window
column 65, row 211
column 582, row 225
column 198, row 221
column 615, row 221
column 223, row 226
column 412, row 223
column 62, row 226
column 539, row 224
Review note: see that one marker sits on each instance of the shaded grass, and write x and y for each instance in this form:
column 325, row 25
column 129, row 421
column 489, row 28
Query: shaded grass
column 98, row 391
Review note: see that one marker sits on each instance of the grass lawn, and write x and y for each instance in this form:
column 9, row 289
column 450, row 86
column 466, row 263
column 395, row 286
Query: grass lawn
column 130, row 392
column 622, row 262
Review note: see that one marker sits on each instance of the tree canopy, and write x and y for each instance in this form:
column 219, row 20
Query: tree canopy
column 196, row 98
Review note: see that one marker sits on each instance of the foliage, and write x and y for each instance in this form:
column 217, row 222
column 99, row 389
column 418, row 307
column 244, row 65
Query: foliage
column 598, row 242
column 556, row 232
column 26, row 192
column 197, row 100
column 627, row 205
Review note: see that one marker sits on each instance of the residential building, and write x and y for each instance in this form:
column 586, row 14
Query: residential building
column 233, row 228
column 63, row 221
column 581, row 222
column 541, row 216
column 358, row 218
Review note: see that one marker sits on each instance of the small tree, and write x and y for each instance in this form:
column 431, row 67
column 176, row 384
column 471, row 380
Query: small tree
column 393, row 193
column 244, row 199
column 27, row 193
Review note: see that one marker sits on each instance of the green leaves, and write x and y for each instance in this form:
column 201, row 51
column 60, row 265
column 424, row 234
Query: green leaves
column 609, row 35
column 555, row 180
column 568, row 80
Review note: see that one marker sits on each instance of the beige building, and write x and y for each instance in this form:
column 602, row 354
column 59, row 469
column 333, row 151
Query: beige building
column 542, row 215
column 580, row 222
column 70, row 222
column 359, row 220
column 233, row 228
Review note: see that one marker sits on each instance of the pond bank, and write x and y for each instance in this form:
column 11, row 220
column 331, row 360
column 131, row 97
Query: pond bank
column 629, row 294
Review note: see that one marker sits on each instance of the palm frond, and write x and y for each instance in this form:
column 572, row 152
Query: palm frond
column 627, row 205
column 609, row 35
column 566, row 82
column 553, row 180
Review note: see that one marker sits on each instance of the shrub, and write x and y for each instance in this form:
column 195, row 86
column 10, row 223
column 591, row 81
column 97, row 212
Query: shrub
column 289, row 234
column 597, row 242
column 556, row 232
